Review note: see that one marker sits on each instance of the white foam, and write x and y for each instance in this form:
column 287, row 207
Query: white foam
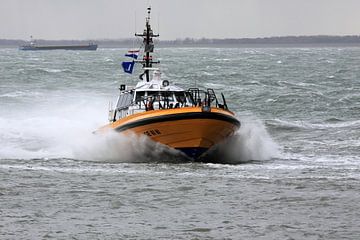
column 115, row 147
column 18, row 93
column 54, row 70
column 49, row 130
column 309, row 125
column 251, row 142
column 64, row 130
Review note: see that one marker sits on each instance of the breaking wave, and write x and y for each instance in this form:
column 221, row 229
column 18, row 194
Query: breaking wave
column 304, row 125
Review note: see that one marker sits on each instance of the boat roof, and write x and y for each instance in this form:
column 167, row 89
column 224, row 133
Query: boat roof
column 157, row 85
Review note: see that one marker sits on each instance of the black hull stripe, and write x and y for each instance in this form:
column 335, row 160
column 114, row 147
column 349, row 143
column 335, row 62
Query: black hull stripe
column 179, row 116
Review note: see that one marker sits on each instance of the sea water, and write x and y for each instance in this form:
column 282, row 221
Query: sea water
column 290, row 172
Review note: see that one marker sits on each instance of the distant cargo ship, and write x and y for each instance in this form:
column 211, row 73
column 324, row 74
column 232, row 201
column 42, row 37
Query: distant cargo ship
column 34, row 47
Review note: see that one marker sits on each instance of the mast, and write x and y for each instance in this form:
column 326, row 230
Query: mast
column 148, row 46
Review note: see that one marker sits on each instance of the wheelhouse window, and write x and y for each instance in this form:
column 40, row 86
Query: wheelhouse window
column 180, row 97
column 125, row 100
column 139, row 97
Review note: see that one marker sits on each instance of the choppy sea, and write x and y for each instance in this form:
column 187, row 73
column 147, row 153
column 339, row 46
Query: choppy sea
column 291, row 172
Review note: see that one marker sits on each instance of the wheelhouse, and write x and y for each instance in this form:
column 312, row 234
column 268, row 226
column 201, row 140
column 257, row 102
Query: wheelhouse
column 138, row 100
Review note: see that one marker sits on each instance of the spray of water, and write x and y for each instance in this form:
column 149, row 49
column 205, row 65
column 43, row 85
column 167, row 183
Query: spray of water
column 115, row 147
column 251, row 142
column 65, row 131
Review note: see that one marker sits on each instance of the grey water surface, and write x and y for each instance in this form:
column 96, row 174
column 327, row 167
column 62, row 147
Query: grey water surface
column 291, row 172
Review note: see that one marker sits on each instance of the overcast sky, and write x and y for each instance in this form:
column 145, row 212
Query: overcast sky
column 113, row 19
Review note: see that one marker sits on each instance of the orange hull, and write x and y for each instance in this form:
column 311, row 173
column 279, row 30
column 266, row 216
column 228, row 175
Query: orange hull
column 189, row 129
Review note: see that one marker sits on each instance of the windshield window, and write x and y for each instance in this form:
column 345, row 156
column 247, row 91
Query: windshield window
column 139, row 96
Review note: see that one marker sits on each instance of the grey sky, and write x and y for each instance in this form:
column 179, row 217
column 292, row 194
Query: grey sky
column 111, row 19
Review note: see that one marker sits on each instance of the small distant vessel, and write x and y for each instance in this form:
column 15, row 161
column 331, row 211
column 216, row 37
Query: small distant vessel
column 192, row 121
column 32, row 46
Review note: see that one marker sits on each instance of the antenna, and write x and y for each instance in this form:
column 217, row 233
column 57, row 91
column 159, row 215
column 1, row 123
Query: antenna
column 148, row 11
column 134, row 31
column 158, row 20
column 135, row 21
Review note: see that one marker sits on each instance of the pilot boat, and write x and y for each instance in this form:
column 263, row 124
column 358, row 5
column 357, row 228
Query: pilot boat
column 190, row 120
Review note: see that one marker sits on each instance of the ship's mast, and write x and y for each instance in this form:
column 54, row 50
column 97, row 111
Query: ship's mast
column 148, row 46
